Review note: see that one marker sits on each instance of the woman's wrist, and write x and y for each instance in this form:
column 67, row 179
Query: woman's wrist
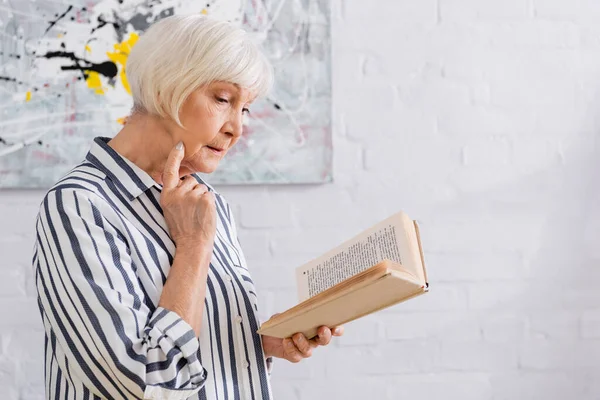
column 194, row 252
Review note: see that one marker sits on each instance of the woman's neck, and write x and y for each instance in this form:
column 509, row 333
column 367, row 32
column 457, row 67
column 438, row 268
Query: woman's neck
column 146, row 142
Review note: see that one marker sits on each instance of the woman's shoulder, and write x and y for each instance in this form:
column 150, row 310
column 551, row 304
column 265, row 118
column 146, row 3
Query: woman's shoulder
column 85, row 181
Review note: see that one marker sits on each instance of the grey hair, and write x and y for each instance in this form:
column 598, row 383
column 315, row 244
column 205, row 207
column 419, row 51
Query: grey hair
column 179, row 54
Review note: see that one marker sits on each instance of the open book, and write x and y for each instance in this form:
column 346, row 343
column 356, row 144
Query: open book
column 380, row 267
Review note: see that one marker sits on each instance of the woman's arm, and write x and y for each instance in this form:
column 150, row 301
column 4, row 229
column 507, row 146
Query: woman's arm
column 190, row 213
column 185, row 289
column 94, row 307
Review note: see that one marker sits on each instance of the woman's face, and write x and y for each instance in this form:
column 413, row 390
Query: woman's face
column 212, row 116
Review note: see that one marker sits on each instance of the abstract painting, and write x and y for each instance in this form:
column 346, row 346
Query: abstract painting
column 62, row 83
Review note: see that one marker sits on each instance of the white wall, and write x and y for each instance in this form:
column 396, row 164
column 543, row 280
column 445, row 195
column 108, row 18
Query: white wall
column 480, row 118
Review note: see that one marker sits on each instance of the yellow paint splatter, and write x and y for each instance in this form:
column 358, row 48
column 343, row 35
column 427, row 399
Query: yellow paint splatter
column 94, row 82
column 119, row 57
column 28, row 96
column 204, row 11
column 88, row 48
column 60, row 35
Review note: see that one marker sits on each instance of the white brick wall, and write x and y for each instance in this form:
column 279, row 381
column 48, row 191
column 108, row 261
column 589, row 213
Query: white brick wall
column 478, row 118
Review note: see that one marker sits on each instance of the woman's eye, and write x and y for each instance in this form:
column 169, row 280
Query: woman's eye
column 222, row 100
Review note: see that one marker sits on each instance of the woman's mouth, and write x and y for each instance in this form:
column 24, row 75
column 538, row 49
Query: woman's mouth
column 215, row 150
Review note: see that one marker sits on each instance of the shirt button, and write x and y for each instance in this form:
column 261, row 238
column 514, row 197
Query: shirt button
column 245, row 364
column 238, row 319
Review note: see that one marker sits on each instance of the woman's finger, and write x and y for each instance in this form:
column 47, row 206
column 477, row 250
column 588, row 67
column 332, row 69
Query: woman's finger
column 323, row 336
column 170, row 174
column 338, row 330
column 291, row 351
column 187, row 183
column 303, row 345
column 199, row 188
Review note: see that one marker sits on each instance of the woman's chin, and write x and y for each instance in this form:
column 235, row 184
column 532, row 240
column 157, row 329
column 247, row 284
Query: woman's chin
column 206, row 167
column 201, row 165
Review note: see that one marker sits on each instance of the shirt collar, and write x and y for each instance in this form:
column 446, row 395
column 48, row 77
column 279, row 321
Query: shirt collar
column 130, row 178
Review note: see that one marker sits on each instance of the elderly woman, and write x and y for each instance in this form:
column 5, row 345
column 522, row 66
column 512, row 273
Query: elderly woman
column 143, row 287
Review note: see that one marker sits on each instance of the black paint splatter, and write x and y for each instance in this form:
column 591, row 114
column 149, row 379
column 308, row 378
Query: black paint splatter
column 102, row 23
column 107, row 68
column 7, row 79
column 277, row 106
column 52, row 23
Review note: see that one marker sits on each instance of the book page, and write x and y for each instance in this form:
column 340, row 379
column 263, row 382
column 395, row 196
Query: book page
column 390, row 239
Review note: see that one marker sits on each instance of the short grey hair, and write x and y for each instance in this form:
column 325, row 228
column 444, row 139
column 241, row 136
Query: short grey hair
column 179, row 54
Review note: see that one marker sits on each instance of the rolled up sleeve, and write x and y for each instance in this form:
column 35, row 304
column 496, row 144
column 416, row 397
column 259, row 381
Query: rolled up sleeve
column 91, row 300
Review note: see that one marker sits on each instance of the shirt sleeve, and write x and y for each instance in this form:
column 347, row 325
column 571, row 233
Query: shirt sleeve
column 90, row 298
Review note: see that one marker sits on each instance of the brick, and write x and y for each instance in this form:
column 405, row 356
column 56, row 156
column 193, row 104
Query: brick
column 503, row 327
column 494, row 150
column 9, row 385
column 548, row 152
column 450, row 385
column 575, row 10
column 470, row 121
column 285, row 389
column 477, row 357
column 366, row 331
column 266, row 212
column 33, row 393
column 434, row 94
column 556, row 355
column 434, row 159
column 21, row 313
column 329, row 206
column 533, row 35
column 442, row 296
column 484, row 10
column 25, row 345
column 392, row 12
column 446, row 326
column 272, row 276
column 31, row 373
column 533, row 385
column 411, row 356
column 471, row 266
column 348, row 158
column 390, row 124
column 255, row 244
column 310, row 368
column 481, row 232
column 554, row 324
column 12, row 283
column 496, row 295
column 309, row 242
column 15, row 252
column 19, row 218
column 590, row 324
column 382, row 99
column 341, row 387
column 533, row 89
column 542, row 354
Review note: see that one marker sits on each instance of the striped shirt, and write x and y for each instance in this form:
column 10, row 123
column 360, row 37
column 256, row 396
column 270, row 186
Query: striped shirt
column 101, row 258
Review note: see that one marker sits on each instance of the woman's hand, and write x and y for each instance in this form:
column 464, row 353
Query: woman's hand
column 188, row 207
column 298, row 347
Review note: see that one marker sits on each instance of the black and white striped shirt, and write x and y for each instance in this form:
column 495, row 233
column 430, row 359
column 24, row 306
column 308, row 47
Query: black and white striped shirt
column 101, row 258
